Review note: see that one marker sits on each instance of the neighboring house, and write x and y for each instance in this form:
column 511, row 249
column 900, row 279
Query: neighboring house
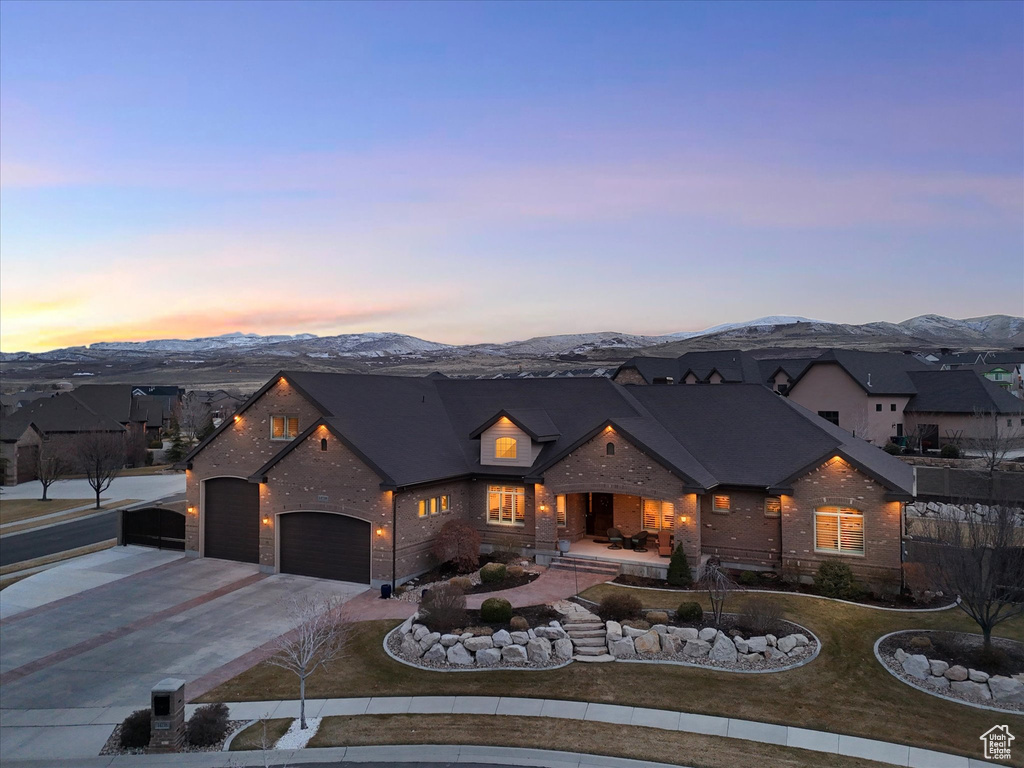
column 352, row 476
column 1003, row 368
column 19, row 451
column 729, row 366
column 143, row 414
column 10, row 403
column 219, row 402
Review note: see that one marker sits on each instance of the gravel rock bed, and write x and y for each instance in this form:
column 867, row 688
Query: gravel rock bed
column 113, row 745
column 887, row 651
column 394, row 644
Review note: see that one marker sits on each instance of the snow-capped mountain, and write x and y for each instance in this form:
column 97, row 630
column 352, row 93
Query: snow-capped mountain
column 771, row 321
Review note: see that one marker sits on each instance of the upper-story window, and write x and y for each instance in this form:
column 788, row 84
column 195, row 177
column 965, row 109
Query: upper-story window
column 609, row 450
column 505, row 448
column 284, row 427
column 832, row 416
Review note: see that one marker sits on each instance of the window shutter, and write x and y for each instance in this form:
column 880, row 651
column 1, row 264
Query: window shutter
column 826, row 531
column 851, row 533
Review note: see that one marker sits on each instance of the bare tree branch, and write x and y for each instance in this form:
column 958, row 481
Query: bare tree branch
column 193, row 416
column 53, row 463
column 101, row 457
column 717, row 583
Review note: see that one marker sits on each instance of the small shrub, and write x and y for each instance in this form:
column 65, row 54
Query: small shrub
column 480, row 631
column 493, row 573
column 748, row 578
column 679, row 573
column 496, row 610
column 461, row 582
column 619, row 606
column 135, row 729
column 208, row 725
column 443, row 608
column 515, row 571
column 761, row 616
column 519, row 623
column 834, row 579
column 457, row 544
column 506, row 550
column 950, row 451
column 657, row 617
column 637, row 623
column 690, row 612
column 920, row 642
column 892, row 449
column 149, row 458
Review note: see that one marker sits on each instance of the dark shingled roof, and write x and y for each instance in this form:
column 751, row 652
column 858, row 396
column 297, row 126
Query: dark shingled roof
column 877, row 373
column 113, row 400
column 62, row 413
column 960, row 391
column 419, row 430
column 733, row 365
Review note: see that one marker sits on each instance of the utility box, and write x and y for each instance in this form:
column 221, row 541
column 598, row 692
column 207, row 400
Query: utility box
column 167, row 732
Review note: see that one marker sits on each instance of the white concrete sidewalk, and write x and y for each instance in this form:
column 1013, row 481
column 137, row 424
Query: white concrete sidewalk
column 141, row 487
column 95, row 725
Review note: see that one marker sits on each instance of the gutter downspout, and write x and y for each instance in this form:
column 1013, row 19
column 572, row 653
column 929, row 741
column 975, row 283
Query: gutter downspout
column 394, row 539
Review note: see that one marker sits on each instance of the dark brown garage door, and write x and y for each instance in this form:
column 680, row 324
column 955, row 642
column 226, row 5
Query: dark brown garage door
column 153, row 527
column 231, row 510
column 325, row 546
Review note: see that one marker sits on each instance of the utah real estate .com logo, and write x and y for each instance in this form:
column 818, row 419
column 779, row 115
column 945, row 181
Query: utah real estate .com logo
column 997, row 742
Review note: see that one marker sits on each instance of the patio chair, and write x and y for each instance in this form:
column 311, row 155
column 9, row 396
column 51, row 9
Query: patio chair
column 640, row 542
column 615, row 537
column 665, row 543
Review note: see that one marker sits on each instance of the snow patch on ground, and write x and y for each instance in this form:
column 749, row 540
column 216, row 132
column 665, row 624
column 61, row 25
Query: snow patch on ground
column 295, row 738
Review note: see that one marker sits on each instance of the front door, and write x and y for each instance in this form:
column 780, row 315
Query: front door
column 600, row 516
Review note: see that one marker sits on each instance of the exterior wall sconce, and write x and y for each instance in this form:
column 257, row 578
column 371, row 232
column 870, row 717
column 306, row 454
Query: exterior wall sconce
column 683, row 518
column 543, row 507
column 380, row 532
column 191, row 510
column 266, row 519
column 237, row 418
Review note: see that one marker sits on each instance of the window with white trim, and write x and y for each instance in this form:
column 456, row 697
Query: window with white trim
column 773, row 506
column 839, row 529
column 283, row 427
column 658, row 514
column 505, row 448
column 720, row 503
column 560, row 510
column 506, row 505
column 433, row 506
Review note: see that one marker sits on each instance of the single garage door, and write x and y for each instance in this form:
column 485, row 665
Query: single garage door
column 231, row 512
column 154, row 527
column 325, row 546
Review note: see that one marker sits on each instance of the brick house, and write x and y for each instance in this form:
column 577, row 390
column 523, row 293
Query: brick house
column 351, row 477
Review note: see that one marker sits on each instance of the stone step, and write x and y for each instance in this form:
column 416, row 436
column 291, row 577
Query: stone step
column 594, row 650
column 585, row 567
column 581, row 618
column 604, row 657
column 593, row 632
column 589, row 642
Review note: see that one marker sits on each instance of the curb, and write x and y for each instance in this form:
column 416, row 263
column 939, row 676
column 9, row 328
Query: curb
column 227, row 742
column 408, row 663
column 936, row 694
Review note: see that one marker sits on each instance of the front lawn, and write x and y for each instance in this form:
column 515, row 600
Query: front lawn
column 16, row 510
column 844, row 690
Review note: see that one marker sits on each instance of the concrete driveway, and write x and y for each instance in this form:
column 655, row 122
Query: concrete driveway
column 65, row 661
column 142, row 487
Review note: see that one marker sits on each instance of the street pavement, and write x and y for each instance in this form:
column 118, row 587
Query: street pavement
column 142, row 487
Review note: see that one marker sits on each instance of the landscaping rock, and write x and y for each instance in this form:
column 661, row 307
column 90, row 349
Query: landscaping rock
column 501, row 638
column 773, row 653
column 741, row 645
column 449, row 640
column 801, row 640
column 687, row 633
column 937, row 668
column 977, row 676
column 786, row 644
column 563, row 648
column 696, row 648
column 436, row 652
column 772, row 640
column 429, row 639
column 539, row 650
column 515, row 653
column 419, row 632
column 956, row 673
column 520, row 638
column 661, row 629
column 621, row 649
column 757, row 644
column 708, row 634
column 465, row 636
column 1006, row 689
column 752, row 657
column 633, row 631
column 724, row 649
column 900, row 655
column 917, row 666
column 649, row 642
column 410, row 647
column 613, row 629
column 939, row 683
column 532, row 633
column 488, row 657
column 458, row 654
column 551, row 633
column 672, row 644
column 972, row 690
column 476, row 644
column 406, row 627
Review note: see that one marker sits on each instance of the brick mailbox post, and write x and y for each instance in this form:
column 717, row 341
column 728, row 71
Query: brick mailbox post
column 167, row 732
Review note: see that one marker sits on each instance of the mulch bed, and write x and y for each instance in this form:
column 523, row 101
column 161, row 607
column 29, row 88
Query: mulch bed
column 536, row 615
column 770, row 582
column 113, row 745
column 507, row 583
column 442, row 573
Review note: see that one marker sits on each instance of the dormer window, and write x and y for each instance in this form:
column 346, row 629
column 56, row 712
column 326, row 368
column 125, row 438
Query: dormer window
column 505, row 448
column 284, row 427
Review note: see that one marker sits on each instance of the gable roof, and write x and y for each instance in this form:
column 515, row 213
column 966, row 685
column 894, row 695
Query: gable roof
column 112, row 400
column 62, row 413
column 533, row 421
column 877, row 373
column 960, row 391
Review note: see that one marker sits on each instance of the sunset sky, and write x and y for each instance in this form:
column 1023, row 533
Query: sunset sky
column 485, row 172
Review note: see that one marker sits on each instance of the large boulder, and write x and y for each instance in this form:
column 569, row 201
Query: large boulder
column 520, row 638
column 672, row 644
column 937, row 668
column 757, row 644
column 613, row 630
column 956, row 673
column 457, row 654
column 476, row 644
column 448, row 640
column 406, row 627
column 501, row 638
column 410, row 648
column 801, row 639
column 633, row 632
column 436, row 652
column 723, row 650
column 429, row 640
column 687, row 633
column 917, row 666
column 661, row 629
column 538, row 650
column 419, row 632
column 972, row 690
column 900, row 655
column 696, row 648
column 773, row 654
column 488, row 657
column 939, row 683
column 1006, row 689
column 741, row 645
column 786, row 644
column 514, row 653
column 563, row 648
column 977, row 676
column 708, row 634
column 649, row 642
column 622, row 649
column 550, row 633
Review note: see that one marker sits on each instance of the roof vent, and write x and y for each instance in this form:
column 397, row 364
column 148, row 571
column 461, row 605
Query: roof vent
column 869, row 379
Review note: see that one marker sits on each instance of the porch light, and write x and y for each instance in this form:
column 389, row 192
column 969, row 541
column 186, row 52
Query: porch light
column 683, row 518
column 266, row 519
column 191, row 510
column 237, row 418
column 380, row 532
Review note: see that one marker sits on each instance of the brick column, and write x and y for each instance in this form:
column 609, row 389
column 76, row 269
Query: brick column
column 545, row 521
column 687, row 530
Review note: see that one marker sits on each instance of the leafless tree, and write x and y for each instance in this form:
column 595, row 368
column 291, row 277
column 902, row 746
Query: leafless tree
column 980, row 558
column 320, row 636
column 991, row 439
column 53, row 463
column 193, row 416
column 913, row 434
column 101, row 457
column 717, row 584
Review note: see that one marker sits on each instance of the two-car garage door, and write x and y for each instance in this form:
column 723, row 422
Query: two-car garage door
column 318, row 544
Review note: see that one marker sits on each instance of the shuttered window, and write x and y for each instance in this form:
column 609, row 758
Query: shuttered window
column 284, row 427
column 839, row 529
column 560, row 509
column 773, row 506
column 506, row 505
column 658, row 514
column 721, row 503
column 505, row 448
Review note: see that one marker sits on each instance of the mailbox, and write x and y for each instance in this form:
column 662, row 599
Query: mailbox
column 167, row 733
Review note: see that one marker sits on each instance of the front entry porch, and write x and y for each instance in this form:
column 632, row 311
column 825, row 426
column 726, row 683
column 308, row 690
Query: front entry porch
column 588, row 551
